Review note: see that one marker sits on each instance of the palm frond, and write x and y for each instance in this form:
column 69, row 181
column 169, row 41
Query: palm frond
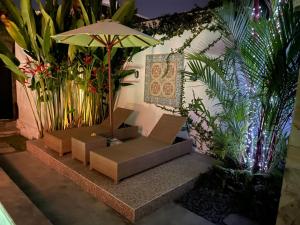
column 255, row 80
column 234, row 20
column 209, row 72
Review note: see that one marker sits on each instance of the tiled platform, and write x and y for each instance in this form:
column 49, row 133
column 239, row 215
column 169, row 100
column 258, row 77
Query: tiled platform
column 133, row 197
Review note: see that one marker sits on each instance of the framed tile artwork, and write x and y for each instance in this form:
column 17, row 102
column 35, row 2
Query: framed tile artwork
column 163, row 79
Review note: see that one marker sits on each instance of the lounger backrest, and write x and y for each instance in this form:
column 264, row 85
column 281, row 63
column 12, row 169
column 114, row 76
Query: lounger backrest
column 120, row 115
column 167, row 128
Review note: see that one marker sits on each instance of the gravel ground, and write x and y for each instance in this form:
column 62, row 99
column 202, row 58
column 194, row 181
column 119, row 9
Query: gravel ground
column 221, row 193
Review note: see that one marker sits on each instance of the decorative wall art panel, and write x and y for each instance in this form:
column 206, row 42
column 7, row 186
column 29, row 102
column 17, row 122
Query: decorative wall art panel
column 163, row 79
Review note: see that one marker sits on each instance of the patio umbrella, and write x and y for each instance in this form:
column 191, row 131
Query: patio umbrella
column 109, row 34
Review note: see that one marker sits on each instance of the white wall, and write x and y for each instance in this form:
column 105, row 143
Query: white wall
column 25, row 123
column 146, row 115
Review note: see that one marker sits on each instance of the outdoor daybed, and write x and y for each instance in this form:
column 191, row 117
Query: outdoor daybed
column 60, row 141
column 134, row 156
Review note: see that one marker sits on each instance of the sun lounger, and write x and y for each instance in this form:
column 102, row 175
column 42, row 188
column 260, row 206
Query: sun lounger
column 134, row 156
column 60, row 141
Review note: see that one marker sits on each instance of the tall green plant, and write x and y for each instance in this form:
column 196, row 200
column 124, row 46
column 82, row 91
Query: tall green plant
column 254, row 81
column 68, row 82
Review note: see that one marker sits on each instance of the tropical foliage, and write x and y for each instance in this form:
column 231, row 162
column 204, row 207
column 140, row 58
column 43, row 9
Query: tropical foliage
column 254, row 81
column 69, row 83
column 196, row 20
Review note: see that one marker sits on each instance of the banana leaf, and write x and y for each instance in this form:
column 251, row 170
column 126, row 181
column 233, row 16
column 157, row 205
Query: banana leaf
column 125, row 12
column 47, row 40
column 84, row 13
column 15, row 33
column 13, row 12
column 4, row 50
column 28, row 17
column 62, row 13
column 48, row 21
column 16, row 72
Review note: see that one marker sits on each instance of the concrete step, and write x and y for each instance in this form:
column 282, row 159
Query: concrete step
column 19, row 208
column 5, row 122
column 236, row 219
column 5, row 132
column 7, row 150
column 64, row 203
column 4, row 145
column 58, row 198
column 2, row 123
column 137, row 195
column 11, row 124
column 8, row 128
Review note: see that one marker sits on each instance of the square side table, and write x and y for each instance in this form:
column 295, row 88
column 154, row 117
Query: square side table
column 81, row 146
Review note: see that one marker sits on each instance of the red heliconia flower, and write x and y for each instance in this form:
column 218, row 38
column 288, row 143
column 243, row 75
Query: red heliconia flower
column 92, row 88
column 105, row 86
column 87, row 59
column 34, row 68
column 57, row 69
column 94, row 72
column 27, row 70
column 39, row 68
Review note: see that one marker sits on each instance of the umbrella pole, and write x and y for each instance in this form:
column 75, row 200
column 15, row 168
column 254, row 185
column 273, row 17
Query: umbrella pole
column 110, row 97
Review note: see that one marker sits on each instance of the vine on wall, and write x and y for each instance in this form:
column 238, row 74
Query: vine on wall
column 197, row 20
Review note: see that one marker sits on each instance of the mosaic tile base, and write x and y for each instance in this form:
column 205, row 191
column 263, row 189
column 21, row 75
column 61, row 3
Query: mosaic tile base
column 135, row 196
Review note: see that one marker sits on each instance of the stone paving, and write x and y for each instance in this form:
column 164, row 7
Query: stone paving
column 58, row 198
column 64, row 203
column 21, row 210
column 6, row 148
column 236, row 219
column 137, row 195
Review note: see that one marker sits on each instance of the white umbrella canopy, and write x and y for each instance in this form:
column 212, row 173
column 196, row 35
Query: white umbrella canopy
column 106, row 32
column 109, row 34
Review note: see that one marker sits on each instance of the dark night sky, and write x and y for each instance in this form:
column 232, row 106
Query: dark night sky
column 155, row 8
